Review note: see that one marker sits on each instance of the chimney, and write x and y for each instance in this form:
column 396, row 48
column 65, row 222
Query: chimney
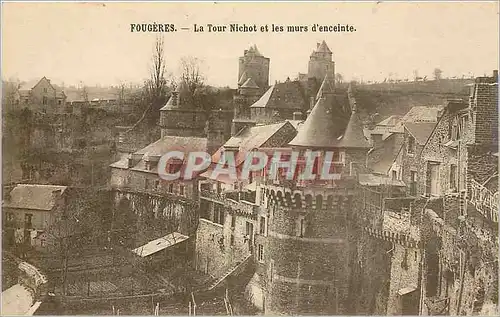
column 311, row 102
column 130, row 161
column 175, row 98
column 495, row 75
column 377, row 141
column 317, row 45
column 297, row 115
column 56, row 194
column 245, row 52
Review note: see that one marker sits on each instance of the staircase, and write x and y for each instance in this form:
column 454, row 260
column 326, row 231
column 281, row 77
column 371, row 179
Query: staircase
column 233, row 271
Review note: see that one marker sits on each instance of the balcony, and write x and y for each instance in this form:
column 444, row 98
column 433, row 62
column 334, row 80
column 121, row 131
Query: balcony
column 485, row 201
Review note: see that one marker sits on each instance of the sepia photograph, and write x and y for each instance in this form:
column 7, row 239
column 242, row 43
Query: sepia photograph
column 250, row 158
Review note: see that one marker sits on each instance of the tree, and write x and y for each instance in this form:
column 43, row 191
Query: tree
column 339, row 78
column 437, row 73
column 10, row 93
column 156, row 85
column 84, row 92
column 155, row 89
column 191, row 80
column 192, row 89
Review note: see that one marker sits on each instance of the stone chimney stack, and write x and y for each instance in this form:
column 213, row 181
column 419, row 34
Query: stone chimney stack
column 377, row 141
column 495, row 75
column 55, row 195
column 175, row 98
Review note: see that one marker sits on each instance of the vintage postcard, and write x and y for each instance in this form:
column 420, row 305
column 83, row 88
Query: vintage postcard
column 232, row 158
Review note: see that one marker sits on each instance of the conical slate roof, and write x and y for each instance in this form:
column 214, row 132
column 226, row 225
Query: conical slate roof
column 320, row 130
column 249, row 83
column 327, row 86
column 353, row 135
column 323, row 48
column 253, row 49
column 243, row 78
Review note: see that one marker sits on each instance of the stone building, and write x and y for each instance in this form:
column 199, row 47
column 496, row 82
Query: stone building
column 459, row 165
column 229, row 207
column 146, row 206
column 42, row 96
column 29, row 210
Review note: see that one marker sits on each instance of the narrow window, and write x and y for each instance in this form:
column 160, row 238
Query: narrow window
column 262, row 230
column 453, row 177
column 413, row 183
column 261, row 253
column 181, row 190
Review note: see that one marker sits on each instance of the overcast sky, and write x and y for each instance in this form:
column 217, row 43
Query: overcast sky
column 72, row 42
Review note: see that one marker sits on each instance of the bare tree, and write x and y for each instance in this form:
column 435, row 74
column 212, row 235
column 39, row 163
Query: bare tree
column 10, row 93
column 191, row 80
column 437, row 73
column 156, row 87
column 84, row 93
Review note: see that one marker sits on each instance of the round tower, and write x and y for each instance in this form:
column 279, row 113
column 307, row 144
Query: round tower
column 309, row 249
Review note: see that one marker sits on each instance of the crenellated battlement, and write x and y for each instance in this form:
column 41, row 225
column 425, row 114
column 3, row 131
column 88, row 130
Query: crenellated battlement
column 394, row 237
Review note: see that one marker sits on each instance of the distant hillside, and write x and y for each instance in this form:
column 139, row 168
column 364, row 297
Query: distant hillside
column 442, row 86
column 397, row 98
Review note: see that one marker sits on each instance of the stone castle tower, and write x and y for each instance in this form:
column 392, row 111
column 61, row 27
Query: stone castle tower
column 254, row 65
column 321, row 62
column 253, row 74
column 306, row 218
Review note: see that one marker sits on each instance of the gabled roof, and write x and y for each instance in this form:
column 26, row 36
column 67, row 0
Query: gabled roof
column 420, row 130
column 250, row 138
column 423, row 114
column 245, row 141
column 391, row 121
column 36, row 197
column 327, row 86
column 249, row 83
column 286, row 95
column 162, row 146
column 353, row 136
column 174, row 143
column 322, row 127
